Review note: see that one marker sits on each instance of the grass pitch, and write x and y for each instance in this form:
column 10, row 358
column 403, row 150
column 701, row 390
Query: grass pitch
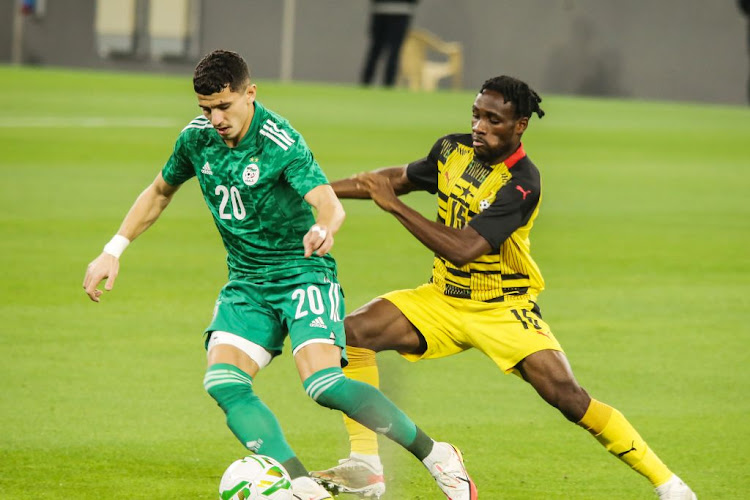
column 642, row 239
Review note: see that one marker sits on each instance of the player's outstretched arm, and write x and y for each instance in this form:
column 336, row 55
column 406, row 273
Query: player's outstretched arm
column 351, row 187
column 319, row 239
column 147, row 208
column 459, row 246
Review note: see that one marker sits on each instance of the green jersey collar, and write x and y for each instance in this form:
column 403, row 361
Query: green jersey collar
column 250, row 140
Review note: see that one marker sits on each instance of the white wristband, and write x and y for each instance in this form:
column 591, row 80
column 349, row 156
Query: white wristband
column 116, row 245
column 322, row 232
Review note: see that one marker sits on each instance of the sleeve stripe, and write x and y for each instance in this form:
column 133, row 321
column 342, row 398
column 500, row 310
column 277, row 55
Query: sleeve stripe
column 191, row 125
column 274, row 139
column 199, row 119
column 279, row 131
column 277, row 134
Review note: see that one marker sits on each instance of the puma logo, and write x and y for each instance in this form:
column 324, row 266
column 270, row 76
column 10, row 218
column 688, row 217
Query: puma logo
column 620, row 455
column 523, row 191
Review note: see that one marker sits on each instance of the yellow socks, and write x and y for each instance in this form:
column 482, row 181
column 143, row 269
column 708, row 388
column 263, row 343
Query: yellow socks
column 615, row 433
column 361, row 367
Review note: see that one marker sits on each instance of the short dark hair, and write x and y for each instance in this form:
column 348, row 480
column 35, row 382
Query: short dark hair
column 219, row 69
column 525, row 101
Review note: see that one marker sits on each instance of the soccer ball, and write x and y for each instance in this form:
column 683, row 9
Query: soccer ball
column 255, row 477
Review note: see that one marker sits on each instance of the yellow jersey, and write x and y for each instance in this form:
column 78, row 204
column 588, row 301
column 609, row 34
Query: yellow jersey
column 500, row 202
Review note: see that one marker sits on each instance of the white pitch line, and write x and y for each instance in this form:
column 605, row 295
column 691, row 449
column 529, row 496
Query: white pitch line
column 86, row 122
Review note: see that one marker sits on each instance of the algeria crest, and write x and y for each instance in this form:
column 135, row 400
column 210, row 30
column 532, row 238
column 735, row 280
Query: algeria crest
column 251, row 174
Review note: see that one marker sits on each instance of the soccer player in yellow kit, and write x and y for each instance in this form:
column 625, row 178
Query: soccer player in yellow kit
column 484, row 283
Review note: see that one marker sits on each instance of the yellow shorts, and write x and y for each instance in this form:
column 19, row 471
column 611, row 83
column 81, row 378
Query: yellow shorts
column 506, row 331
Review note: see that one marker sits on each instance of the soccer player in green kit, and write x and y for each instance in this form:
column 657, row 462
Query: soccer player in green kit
column 260, row 181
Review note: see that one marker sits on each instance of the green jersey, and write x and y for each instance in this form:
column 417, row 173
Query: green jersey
column 255, row 193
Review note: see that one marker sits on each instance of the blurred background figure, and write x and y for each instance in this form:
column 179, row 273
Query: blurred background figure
column 389, row 22
column 745, row 6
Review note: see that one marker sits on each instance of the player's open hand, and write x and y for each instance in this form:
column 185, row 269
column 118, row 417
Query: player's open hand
column 105, row 266
column 380, row 189
column 318, row 240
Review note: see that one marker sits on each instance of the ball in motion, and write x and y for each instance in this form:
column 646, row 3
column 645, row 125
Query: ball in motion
column 255, row 477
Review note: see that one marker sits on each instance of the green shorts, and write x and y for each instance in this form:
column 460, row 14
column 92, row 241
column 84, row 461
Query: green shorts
column 309, row 307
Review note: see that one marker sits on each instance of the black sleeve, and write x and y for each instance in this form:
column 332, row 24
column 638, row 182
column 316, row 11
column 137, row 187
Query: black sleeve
column 514, row 204
column 424, row 173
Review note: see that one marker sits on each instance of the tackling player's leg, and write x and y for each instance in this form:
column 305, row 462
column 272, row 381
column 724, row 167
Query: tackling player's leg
column 550, row 374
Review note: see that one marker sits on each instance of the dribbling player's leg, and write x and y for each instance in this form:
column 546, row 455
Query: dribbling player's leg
column 374, row 327
column 229, row 381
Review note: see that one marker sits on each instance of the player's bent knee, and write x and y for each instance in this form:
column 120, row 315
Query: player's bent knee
column 322, row 385
column 227, row 384
column 565, row 395
column 258, row 354
column 573, row 401
column 329, row 387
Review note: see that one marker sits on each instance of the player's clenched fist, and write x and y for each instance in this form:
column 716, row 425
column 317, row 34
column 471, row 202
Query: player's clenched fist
column 380, row 189
column 319, row 240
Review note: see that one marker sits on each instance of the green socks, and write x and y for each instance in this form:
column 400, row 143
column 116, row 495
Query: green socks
column 257, row 428
column 247, row 416
column 368, row 406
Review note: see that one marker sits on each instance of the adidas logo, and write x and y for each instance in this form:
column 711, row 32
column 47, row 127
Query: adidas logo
column 254, row 446
column 206, row 170
column 318, row 323
column 384, row 430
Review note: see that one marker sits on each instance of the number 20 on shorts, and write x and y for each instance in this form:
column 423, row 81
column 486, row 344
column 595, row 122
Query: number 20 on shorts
column 310, row 300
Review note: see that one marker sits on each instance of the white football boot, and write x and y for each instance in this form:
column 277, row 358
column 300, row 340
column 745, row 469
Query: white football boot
column 675, row 489
column 304, row 488
column 446, row 465
column 353, row 475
